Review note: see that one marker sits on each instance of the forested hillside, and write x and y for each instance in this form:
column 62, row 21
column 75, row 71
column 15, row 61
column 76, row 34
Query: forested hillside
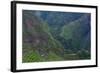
column 55, row 36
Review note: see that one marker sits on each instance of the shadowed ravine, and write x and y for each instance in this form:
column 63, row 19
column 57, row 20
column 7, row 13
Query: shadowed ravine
column 55, row 36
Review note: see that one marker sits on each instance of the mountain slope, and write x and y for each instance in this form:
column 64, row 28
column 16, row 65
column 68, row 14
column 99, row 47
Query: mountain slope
column 77, row 34
column 37, row 38
column 55, row 36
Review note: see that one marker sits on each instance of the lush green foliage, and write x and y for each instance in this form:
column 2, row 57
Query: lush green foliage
column 55, row 36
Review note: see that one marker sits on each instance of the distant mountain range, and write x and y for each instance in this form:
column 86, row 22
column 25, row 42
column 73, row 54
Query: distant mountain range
column 62, row 23
column 54, row 36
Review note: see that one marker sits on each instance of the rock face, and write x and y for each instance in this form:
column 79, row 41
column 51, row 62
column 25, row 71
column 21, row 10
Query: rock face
column 36, row 36
column 54, row 36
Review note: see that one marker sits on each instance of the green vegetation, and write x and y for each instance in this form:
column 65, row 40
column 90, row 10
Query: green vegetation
column 34, row 56
column 56, row 42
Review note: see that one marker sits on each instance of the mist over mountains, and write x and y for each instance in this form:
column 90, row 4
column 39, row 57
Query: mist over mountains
column 56, row 36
